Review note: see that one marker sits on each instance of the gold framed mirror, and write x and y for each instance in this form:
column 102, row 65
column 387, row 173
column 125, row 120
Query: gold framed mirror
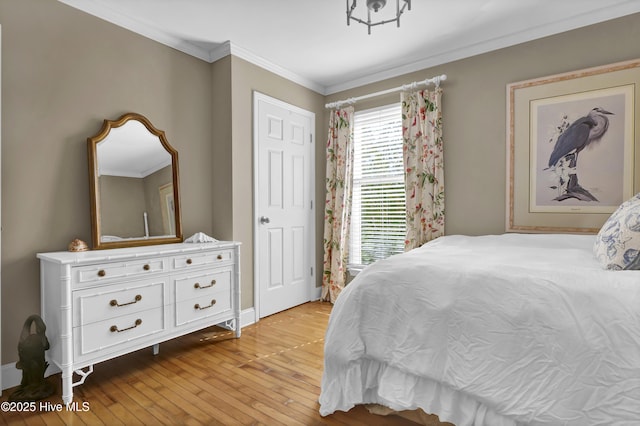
column 133, row 184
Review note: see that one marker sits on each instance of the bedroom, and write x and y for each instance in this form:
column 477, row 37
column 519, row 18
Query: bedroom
column 56, row 91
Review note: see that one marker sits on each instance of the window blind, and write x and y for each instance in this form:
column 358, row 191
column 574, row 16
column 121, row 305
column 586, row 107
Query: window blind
column 378, row 218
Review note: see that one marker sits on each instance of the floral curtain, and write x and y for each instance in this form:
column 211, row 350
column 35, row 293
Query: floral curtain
column 339, row 178
column 424, row 166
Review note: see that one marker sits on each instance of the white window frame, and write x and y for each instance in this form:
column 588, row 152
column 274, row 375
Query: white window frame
column 368, row 120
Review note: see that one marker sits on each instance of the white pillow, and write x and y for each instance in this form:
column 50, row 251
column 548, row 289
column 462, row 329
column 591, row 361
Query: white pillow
column 617, row 244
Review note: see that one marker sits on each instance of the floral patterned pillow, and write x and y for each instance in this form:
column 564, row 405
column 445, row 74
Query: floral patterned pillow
column 617, row 245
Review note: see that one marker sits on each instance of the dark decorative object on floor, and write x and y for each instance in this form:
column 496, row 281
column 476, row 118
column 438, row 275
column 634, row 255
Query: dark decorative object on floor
column 31, row 352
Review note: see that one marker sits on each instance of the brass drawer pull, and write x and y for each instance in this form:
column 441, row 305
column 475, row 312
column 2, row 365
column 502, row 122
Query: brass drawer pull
column 219, row 257
column 198, row 307
column 114, row 328
column 146, row 267
column 197, row 285
column 102, row 273
column 114, row 302
column 189, row 261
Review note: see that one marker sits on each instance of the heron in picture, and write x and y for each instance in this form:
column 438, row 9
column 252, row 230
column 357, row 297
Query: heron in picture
column 563, row 160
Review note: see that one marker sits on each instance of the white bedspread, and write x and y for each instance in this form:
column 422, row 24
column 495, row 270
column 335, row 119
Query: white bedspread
column 494, row 330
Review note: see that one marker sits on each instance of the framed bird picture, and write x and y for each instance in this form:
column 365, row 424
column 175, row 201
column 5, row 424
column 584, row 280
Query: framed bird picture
column 572, row 149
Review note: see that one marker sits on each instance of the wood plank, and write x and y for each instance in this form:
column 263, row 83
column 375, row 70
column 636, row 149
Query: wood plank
column 271, row 375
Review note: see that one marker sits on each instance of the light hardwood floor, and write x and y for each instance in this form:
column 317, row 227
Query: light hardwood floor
column 270, row 376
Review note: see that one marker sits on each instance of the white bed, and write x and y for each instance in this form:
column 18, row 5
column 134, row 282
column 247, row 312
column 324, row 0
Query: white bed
column 493, row 330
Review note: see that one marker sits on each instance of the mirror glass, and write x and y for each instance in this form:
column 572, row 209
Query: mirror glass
column 134, row 185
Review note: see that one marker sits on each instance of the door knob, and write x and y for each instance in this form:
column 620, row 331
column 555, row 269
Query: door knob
column 264, row 219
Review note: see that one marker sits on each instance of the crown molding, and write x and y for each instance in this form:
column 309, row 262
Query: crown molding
column 220, row 51
column 229, row 48
column 582, row 20
column 113, row 16
column 98, row 9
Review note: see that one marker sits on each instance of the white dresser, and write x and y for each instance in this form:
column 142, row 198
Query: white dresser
column 101, row 304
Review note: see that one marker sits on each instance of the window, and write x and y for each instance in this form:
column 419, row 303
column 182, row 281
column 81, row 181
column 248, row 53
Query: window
column 378, row 217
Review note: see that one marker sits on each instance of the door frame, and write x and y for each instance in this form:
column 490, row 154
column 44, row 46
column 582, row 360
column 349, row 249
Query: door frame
column 257, row 97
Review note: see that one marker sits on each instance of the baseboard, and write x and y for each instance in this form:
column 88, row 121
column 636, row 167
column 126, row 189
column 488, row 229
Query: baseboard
column 11, row 376
column 317, row 292
column 248, row 317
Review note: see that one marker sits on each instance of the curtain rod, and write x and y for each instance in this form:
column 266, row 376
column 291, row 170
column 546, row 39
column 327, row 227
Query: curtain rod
column 405, row 87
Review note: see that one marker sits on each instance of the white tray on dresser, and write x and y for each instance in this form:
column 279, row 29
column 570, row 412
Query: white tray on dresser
column 101, row 304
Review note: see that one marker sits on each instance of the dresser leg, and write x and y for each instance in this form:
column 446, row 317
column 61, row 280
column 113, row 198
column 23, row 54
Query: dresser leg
column 156, row 349
column 67, row 381
column 238, row 329
column 67, row 385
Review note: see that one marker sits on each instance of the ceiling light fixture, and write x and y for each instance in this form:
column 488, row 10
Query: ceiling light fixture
column 375, row 6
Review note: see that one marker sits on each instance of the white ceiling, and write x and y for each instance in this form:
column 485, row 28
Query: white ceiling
column 131, row 151
column 310, row 43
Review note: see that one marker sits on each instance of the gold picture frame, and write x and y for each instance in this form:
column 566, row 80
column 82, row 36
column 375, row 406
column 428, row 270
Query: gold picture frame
column 572, row 148
column 167, row 203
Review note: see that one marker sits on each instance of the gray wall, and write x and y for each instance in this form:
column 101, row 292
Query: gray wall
column 122, row 203
column 124, row 200
column 64, row 71
column 474, row 111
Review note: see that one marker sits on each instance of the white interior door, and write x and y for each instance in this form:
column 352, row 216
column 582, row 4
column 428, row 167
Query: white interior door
column 283, row 205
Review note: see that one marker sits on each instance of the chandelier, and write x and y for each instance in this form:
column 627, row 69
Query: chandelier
column 374, row 6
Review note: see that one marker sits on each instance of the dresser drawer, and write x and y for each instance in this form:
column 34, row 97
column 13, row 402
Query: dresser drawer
column 89, row 275
column 202, row 285
column 202, row 307
column 117, row 300
column 218, row 257
column 105, row 334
